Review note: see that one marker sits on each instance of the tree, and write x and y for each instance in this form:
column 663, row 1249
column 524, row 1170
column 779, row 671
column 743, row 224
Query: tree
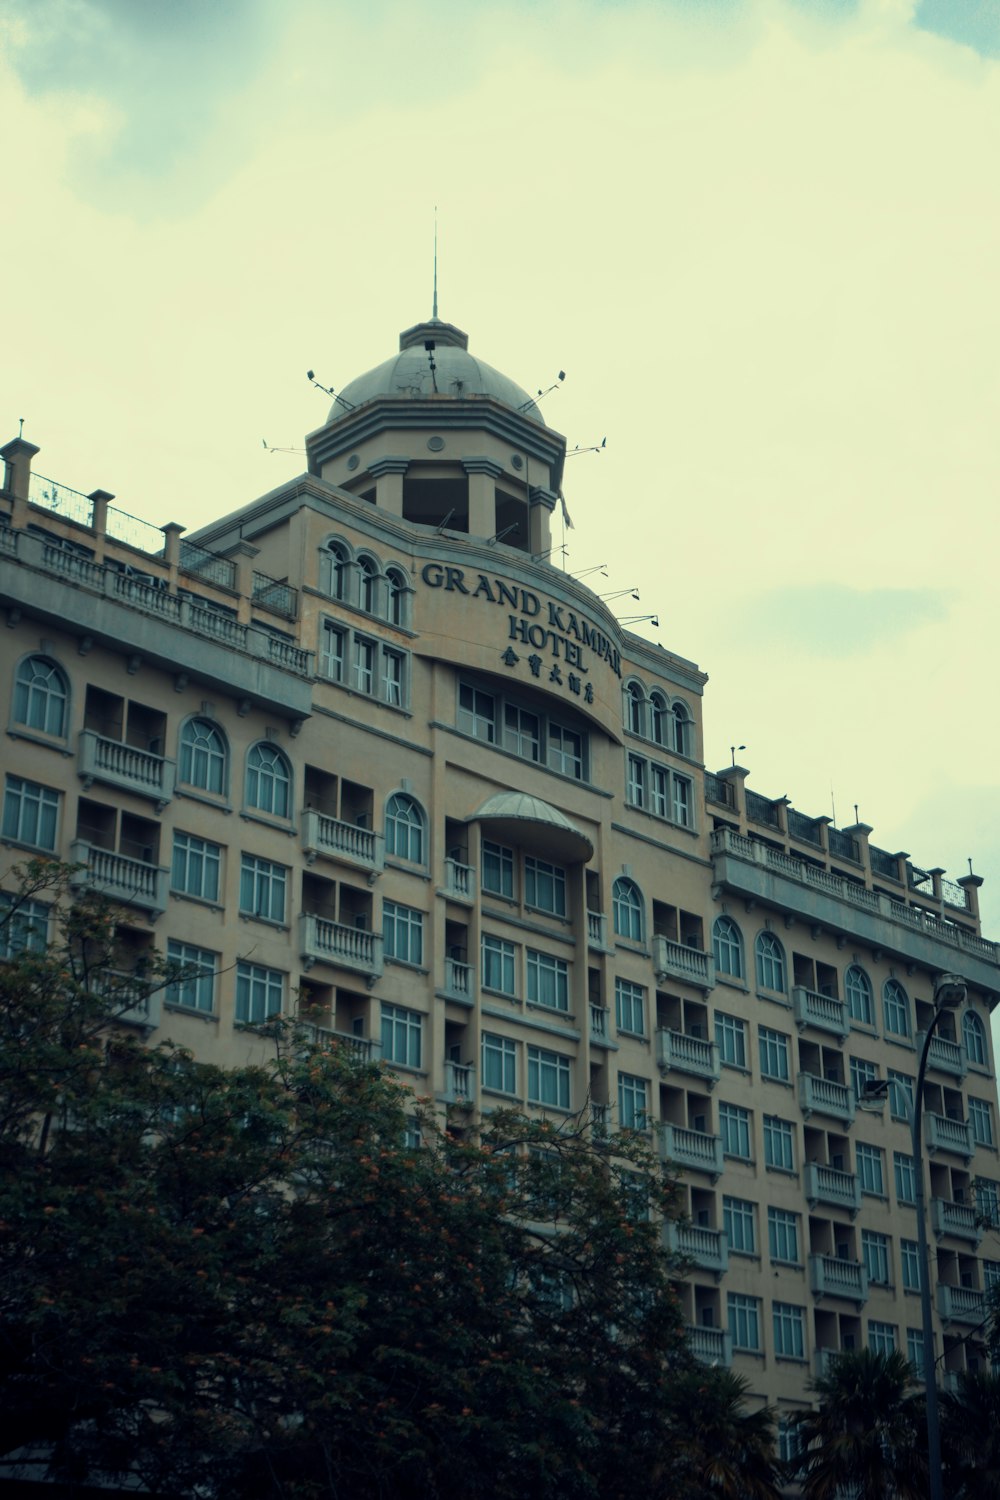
column 726, row 1449
column 865, row 1436
column 970, row 1437
column 258, row 1281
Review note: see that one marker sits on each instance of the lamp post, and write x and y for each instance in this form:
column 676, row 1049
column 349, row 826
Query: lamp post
column 949, row 994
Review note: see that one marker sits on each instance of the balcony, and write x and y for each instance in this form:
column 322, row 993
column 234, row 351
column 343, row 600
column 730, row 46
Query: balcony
column 600, row 1026
column 956, row 1219
column 712, row 1346
column 681, row 1053
column 678, row 961
column 835, row 1189
column 821, row 1096
column 459, row 881
column 133, row 882
column 944, row 1056
column 597, row 931
column 321, row 940
column 708, row 1249
column 118, row 765
column 824, row 1361
column 961, row 1304
column 822, row 1012
column 458, row 980
column 364, row 1048
column 829, row 1276
column 693, row 1149
column 132, row 1001
column 459, row 1084
column 945, row 1134
column 600, row 1119
column 333, row 839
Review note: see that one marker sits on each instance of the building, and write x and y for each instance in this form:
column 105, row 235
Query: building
column 361, row 751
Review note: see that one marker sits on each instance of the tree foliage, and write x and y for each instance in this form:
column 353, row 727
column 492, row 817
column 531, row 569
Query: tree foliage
column 255, row 1282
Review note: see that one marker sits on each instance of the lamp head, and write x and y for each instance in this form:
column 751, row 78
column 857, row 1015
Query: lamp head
column 950, row 991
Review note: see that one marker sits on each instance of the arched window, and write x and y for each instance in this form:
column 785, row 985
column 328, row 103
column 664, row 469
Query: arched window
column 203, row 756
column 397, row 596
column 727, row 947
column 269, row 781
column 770, row 962
column 333, row 572
column 896, row 1008
column 635, row 708
column 40, row 696
column 368, row 591
column 628, row 909
column 404, row 828
column 659, row 716
column 974, row 1037
column 858, row 989
column 682, row 728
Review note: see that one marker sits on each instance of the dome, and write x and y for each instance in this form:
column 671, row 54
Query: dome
column 408, row 374
column 535, row 825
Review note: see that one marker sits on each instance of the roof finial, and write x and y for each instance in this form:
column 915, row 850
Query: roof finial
column 435, row 312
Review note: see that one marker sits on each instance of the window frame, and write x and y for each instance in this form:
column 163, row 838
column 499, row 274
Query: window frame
column 254, row 975
column 739, row 1222
column 897, row 1017
column 779, row 1134
column 31, row 808
column 788, row 1329
column 630, row 1005
column 626, row 909
column 552, row 1066
column 206, row 860
column 774, row 1054
column 873, row 1158
column 268, row 789
column 502, row 858
column 546, row 974
column 203, row 761
column 27, row 693
column 783, row 1236
column 743, row 1320
column 264, row 876
column 769, row 961
column 727, row 947
column 735, row 1131
column 405, row 822
column 194, row 992
column 538, row 872
column 859, row 995
column 631, row 1114
column 499, row 1052
column 498, row 951
column 731, row 1040
column 401, row 1031
column 24, row 925
column 403, row 933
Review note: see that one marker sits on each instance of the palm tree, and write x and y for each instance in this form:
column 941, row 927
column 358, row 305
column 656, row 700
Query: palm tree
column 727, row 1451
column 866, row 1436
column 970, row 1437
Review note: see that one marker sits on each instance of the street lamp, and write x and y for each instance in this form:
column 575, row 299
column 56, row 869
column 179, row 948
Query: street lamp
column 949, row 994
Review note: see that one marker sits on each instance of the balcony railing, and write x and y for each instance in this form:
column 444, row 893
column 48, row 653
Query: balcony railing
column 712, row 1346
column 957, row 1219
column 823, row 1012
column 827, row 1185
column 458, row 979
column 806, row 830
column 843, row 845
column 132, row 1001
column 133, row 882
column 707, row 1248
column 459, row 1083
column 600, row 1118
column 124, row 766
column 824, row 1361
column 961, row 1304
column 944, row 1055
column 762, row 810
column 279, row 597
column 365, row 1048
column 335, row 839
column 600, row 1025
column 822, row 1096
column 677, row 1051
column 945, row 1134
column 829, row 1276
column 681, row 962
column 597, row 930
column 345, row 947
column 717, row 789
column 459, row 880
column 691, row 1148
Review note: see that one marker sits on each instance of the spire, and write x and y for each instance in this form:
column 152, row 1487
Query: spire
column 434, row 312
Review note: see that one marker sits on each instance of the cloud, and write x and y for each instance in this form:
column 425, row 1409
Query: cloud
column 836, row 620
column 972, row 23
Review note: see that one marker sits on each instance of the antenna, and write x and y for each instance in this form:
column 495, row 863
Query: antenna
column 268, row 448
column 434, row 312
column 329, row 391
column 556, row 547
column 637, row 619
column 594, row 448
column 540, row 395
column 620, row 594
column 438, row 529
column 498, row 536
column 601, row 568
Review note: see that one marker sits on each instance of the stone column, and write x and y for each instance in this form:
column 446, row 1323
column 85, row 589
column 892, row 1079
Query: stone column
column 388, row 476
column 17, row 456
column 541, row 504
column 100, row 500
column 483, row 474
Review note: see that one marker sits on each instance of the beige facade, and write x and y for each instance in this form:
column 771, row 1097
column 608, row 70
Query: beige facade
column 360, row 752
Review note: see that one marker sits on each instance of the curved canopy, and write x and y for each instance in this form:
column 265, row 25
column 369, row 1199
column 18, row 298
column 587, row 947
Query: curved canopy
column 534, row 825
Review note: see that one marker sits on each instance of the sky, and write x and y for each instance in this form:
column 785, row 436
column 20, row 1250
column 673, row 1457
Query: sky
column 761, row 237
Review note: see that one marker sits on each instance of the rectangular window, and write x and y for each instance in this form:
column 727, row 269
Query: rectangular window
column 24, row 926
column 915, row 1349
column 881, row 1337
column 744, row 1321
column 363, row 673
column 731, row 1039
column 262, row 888
column 548, row 1078
column 862, row 1072
column 909, row 1255
column 196, row 867
column 566, row 751
column 773, row 1053
column 331, row 652
column 789, row 1330
column 477, row 713
column 906, row 1182
column 981, row 1122
column 783, row 1236
column 734, row 1127
column 498, row 869
column 739, row 1219
column 778, row 1144
column 875, row 1255
column 991, row 1274
column 636, row 781
column 659, row 791
column 633, row 1103
column 260, row 993
column 630, row 1007
column 548, row 981
column 988, row 1201
column 900, row 1095
column 30, row 813
column 499, row 1063
column 498, row 965
column 393, row 666
column 868, row 1160
column 194, row 987
column 682, row 801
column 402, row 1032
column 521, row 732
column 403, row 933
column 544, row 886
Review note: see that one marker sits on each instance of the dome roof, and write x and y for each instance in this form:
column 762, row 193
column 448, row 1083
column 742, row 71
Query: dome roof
column 407, row 375
column 534, row 824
